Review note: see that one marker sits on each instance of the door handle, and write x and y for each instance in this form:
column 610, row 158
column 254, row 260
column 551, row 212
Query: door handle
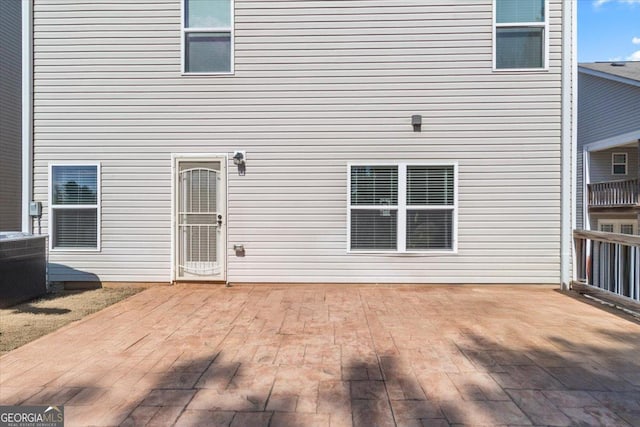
column 219, row 220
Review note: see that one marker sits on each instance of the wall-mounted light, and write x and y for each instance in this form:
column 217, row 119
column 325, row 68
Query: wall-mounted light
column 416, row 122
column 240, row 160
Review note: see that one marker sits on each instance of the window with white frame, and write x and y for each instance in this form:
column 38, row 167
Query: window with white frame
column 619, row 163
column 74, row 201
column 208, row 36
column 621, row 226
column 402, row 208
column 606, row 227
column 520, row 34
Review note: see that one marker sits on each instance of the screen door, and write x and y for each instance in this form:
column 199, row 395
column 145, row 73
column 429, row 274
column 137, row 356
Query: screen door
column 200, row 218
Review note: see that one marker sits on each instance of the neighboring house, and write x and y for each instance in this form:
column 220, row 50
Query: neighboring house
column 360, row 141
column 10, row 115
column 608, row 142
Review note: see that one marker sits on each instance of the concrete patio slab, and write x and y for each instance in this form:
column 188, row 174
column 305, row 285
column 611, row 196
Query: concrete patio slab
column 331, row 355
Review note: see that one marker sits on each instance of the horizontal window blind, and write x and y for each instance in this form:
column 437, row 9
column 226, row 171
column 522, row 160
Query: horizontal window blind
column 75, row 228
column 429, row 229
column 374, row 185
column 430, row 185
column 374, row 229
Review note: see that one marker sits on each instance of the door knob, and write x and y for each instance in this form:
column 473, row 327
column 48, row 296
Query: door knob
column 219, row 220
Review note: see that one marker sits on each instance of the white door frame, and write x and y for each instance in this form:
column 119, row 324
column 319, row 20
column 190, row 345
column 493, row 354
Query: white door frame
column 198, row 157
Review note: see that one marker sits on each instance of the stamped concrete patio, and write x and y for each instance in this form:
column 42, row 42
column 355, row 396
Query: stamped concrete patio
column 336, row 356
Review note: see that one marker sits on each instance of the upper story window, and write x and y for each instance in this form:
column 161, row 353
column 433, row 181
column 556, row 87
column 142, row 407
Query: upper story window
column 208, row 36
column 74, row 206
column 520, row 34
column 619, row 164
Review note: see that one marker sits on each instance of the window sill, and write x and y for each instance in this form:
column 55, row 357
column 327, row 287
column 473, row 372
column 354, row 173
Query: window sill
column 406, row 253
column 521, row 70
column 59, row 250
column 222, row 74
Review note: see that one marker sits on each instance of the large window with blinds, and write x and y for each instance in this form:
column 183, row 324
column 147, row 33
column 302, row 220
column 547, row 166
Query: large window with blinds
column 74, row 207
column 402, row 208
column 207, row 29
column 520, row 34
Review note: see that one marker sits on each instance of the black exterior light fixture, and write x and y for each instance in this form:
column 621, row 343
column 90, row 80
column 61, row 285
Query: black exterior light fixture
column 416, row 122
column 240, row 160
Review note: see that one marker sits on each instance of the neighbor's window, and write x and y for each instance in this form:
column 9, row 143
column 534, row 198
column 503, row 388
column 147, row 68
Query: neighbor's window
column 520, row 36
column 402, row 208
column 208, row 36
column 606, row 228
column 619, row 163
column 622, row 226
column 626, row 229
column 74, row 202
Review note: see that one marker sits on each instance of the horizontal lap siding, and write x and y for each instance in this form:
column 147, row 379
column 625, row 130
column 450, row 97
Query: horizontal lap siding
column 600, row 166
column 317, row 84
column 10, row 115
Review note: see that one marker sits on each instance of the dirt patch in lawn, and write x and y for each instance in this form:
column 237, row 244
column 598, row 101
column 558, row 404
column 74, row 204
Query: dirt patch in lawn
column 25, row 322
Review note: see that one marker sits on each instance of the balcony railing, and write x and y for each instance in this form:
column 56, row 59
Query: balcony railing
column 609, row 262
column 614, row 193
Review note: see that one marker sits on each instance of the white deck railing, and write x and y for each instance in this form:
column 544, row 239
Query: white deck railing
column 609, row 262
column 614, row 193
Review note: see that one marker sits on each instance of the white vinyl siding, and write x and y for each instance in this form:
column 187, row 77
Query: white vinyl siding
column 75, row 207
column 207, row 45
column 520, row 34
column 315, row 87
column 10, row 115
column 619, row 163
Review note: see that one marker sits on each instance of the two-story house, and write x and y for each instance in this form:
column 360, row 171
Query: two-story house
column 608, row 142
column 359, row 141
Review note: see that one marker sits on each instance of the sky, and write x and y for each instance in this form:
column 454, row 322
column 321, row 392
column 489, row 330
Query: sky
column 608, row 30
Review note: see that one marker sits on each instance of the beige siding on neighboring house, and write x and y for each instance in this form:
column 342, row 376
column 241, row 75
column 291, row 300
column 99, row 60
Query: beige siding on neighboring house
column 316, row 86
column 10, row 115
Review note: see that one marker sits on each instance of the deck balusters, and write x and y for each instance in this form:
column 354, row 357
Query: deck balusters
column 609, row 261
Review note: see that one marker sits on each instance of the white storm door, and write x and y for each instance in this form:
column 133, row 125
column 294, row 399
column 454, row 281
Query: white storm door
column 200, row 219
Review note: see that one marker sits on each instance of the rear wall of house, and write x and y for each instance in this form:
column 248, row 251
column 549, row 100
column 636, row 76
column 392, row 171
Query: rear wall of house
column 316, row 86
